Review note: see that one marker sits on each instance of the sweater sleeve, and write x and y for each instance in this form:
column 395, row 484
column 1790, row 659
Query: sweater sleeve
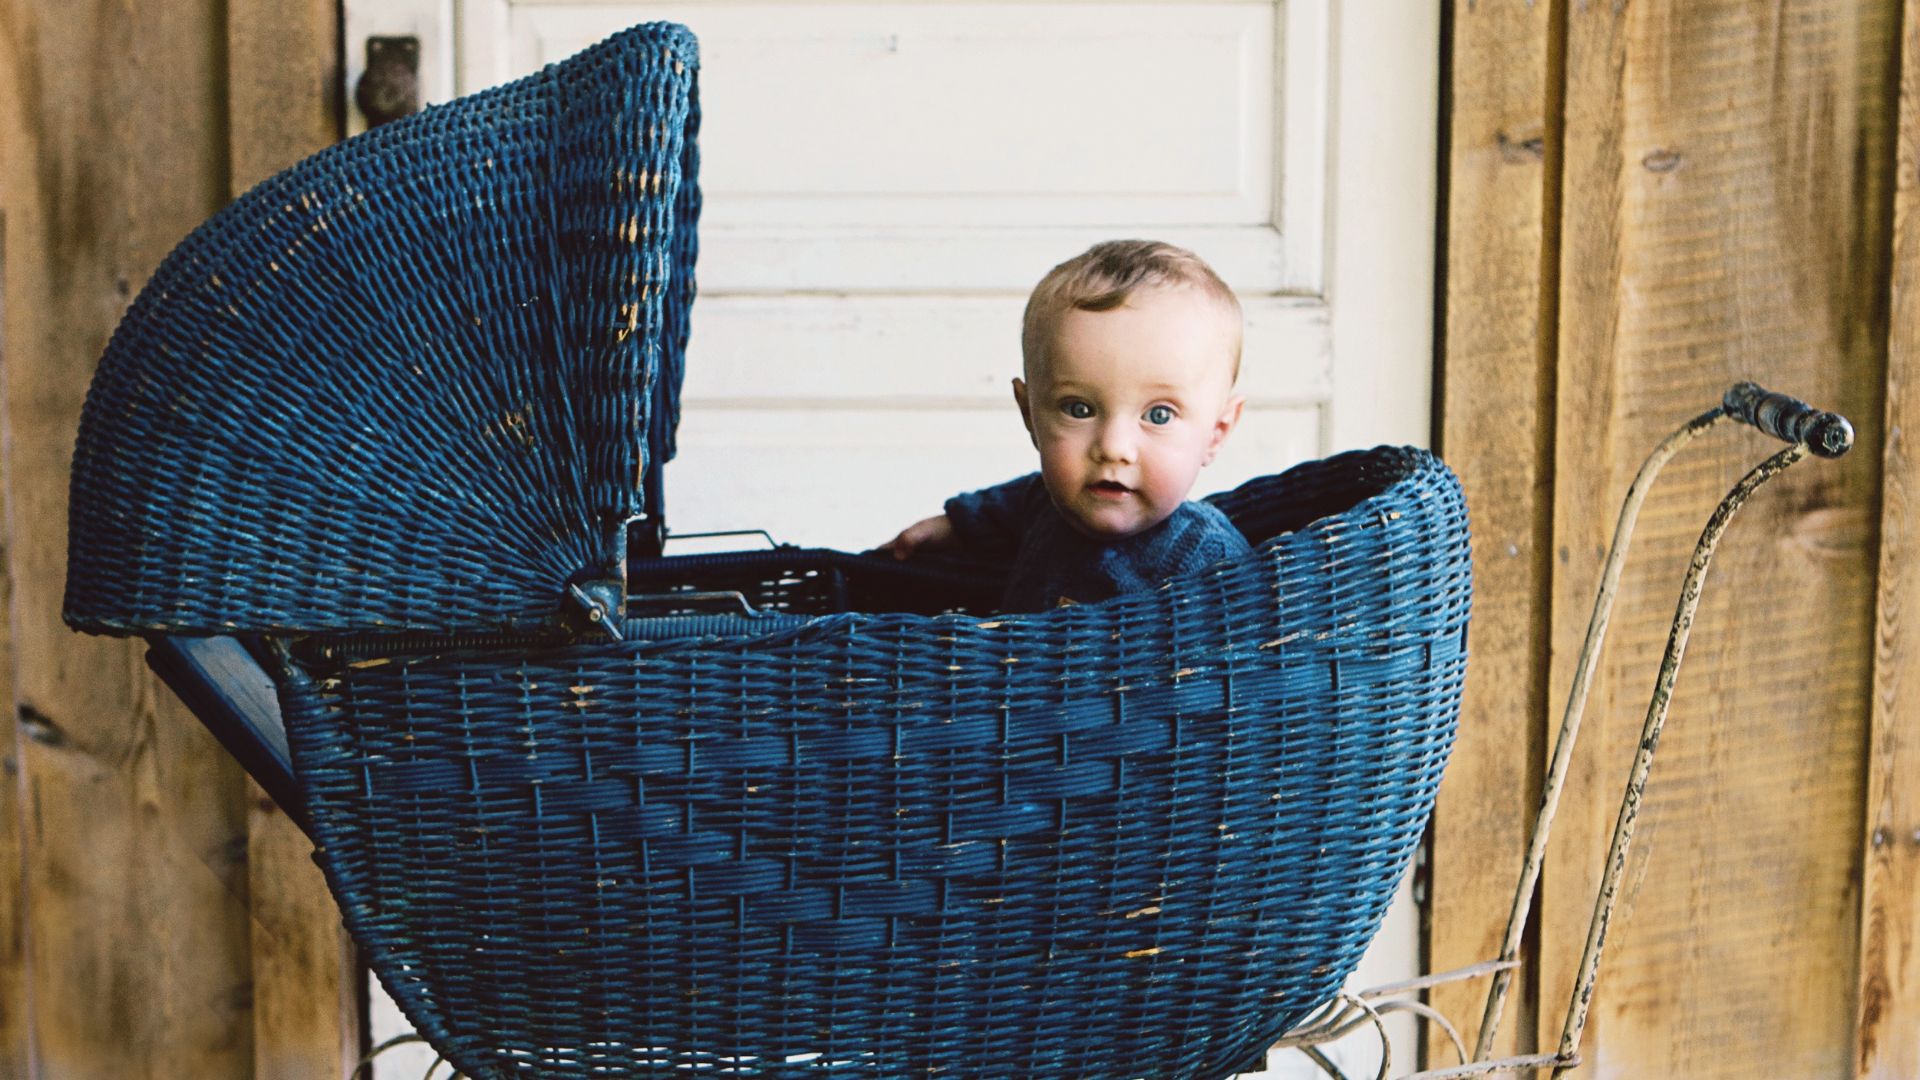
column 988, row 524
column 1217, row 539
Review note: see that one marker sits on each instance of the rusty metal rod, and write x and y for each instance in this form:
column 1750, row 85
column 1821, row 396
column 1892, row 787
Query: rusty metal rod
column 1380, row 1026
column 1350, row 1012
column 1438, row 978
column 1582, row 1000
column 1432, row 1016
column 1563, row 743
column 1749, row 404
column 1492, row 1068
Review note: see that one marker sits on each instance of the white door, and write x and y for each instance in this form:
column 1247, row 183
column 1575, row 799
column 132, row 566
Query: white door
column 885, row 180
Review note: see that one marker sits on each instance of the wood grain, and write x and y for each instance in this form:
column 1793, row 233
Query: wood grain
column 1887, row 1023
column 283, row 103
column 134, row 820
column 306, row 1000
column 1725, row 194
column 13, row 923
column 1496, row 432
column 283, row 85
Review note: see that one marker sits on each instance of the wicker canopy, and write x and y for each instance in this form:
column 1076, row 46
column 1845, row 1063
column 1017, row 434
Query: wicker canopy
column 421, row 380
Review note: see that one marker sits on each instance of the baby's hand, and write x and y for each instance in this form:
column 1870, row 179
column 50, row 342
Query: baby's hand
column 931, row 534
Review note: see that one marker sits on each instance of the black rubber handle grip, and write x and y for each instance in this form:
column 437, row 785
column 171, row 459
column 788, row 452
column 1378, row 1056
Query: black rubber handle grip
column 1790, row 419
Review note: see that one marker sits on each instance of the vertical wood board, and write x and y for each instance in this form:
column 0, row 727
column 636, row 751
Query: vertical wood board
column 1724, row 198
column 1496, row 432
column 13, row 958
column 1887, row 1022
column 134, row 821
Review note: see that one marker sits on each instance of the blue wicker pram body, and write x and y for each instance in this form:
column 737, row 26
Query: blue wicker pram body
column 397, row 418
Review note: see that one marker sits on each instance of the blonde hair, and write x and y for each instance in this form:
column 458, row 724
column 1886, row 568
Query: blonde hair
column 1103, row 276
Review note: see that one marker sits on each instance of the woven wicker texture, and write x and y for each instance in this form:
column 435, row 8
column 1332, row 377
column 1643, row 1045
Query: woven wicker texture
column 1136, row 838
column 418, row 380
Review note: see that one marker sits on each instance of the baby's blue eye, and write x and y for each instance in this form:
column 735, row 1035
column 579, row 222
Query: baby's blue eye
column 1079, row 410
column 1160, row 414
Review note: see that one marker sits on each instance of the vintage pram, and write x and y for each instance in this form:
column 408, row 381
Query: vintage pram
column 374, row 464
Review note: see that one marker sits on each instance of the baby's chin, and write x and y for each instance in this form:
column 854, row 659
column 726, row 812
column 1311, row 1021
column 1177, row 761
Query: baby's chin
column 1109, row 528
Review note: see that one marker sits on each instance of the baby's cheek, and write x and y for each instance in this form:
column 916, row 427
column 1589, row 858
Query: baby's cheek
column 1174, row 481
column 1058, row 463
column 1058, row 481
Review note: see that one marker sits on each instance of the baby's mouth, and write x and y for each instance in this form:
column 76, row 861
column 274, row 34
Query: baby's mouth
column 1112, row 489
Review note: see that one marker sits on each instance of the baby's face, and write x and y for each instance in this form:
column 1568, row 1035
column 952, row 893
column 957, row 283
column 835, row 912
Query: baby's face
column 1130, row 404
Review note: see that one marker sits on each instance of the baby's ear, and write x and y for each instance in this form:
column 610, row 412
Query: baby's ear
column 1223, row 427
column 1026, row 410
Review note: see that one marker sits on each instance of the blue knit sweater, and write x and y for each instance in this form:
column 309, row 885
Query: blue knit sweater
column 1052, row 562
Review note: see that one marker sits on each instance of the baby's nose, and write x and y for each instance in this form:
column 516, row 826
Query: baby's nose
column 1116, row 443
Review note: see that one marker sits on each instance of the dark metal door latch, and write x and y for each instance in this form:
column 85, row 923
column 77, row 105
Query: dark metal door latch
column 390, row 86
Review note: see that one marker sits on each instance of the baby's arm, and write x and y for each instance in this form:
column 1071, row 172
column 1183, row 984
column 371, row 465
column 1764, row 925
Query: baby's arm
column 929, row 534
column 984, row 524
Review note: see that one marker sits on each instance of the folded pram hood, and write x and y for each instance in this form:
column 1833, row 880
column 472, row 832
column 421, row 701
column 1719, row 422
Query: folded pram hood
column 419, row 380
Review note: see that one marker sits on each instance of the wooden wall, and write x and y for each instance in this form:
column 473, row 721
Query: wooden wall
column 1887, row 1007
column 157, row 918
column 1711, row 197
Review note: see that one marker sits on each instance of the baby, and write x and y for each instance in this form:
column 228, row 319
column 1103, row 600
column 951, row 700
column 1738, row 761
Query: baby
column 1130, row 354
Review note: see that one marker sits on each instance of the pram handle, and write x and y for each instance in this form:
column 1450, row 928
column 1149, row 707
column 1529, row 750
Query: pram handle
column 1787, row 418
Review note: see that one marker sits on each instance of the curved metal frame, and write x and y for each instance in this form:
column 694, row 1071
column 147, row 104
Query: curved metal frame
column 1810, row 431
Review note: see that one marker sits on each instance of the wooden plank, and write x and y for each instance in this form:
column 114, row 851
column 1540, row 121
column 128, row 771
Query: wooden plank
column 114, row 146
column 1496, row 432
column 13, row 957
column 1724, row 190
column 1591, row 182
column 1887, row 1024
column 306, row 994
column 284, row 103
column 283, row 84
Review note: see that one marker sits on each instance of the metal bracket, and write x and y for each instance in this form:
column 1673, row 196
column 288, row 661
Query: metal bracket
column 595, row 605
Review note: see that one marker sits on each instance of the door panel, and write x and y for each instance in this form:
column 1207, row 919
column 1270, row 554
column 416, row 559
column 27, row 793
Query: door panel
column 892, row 117
column 960, row 350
